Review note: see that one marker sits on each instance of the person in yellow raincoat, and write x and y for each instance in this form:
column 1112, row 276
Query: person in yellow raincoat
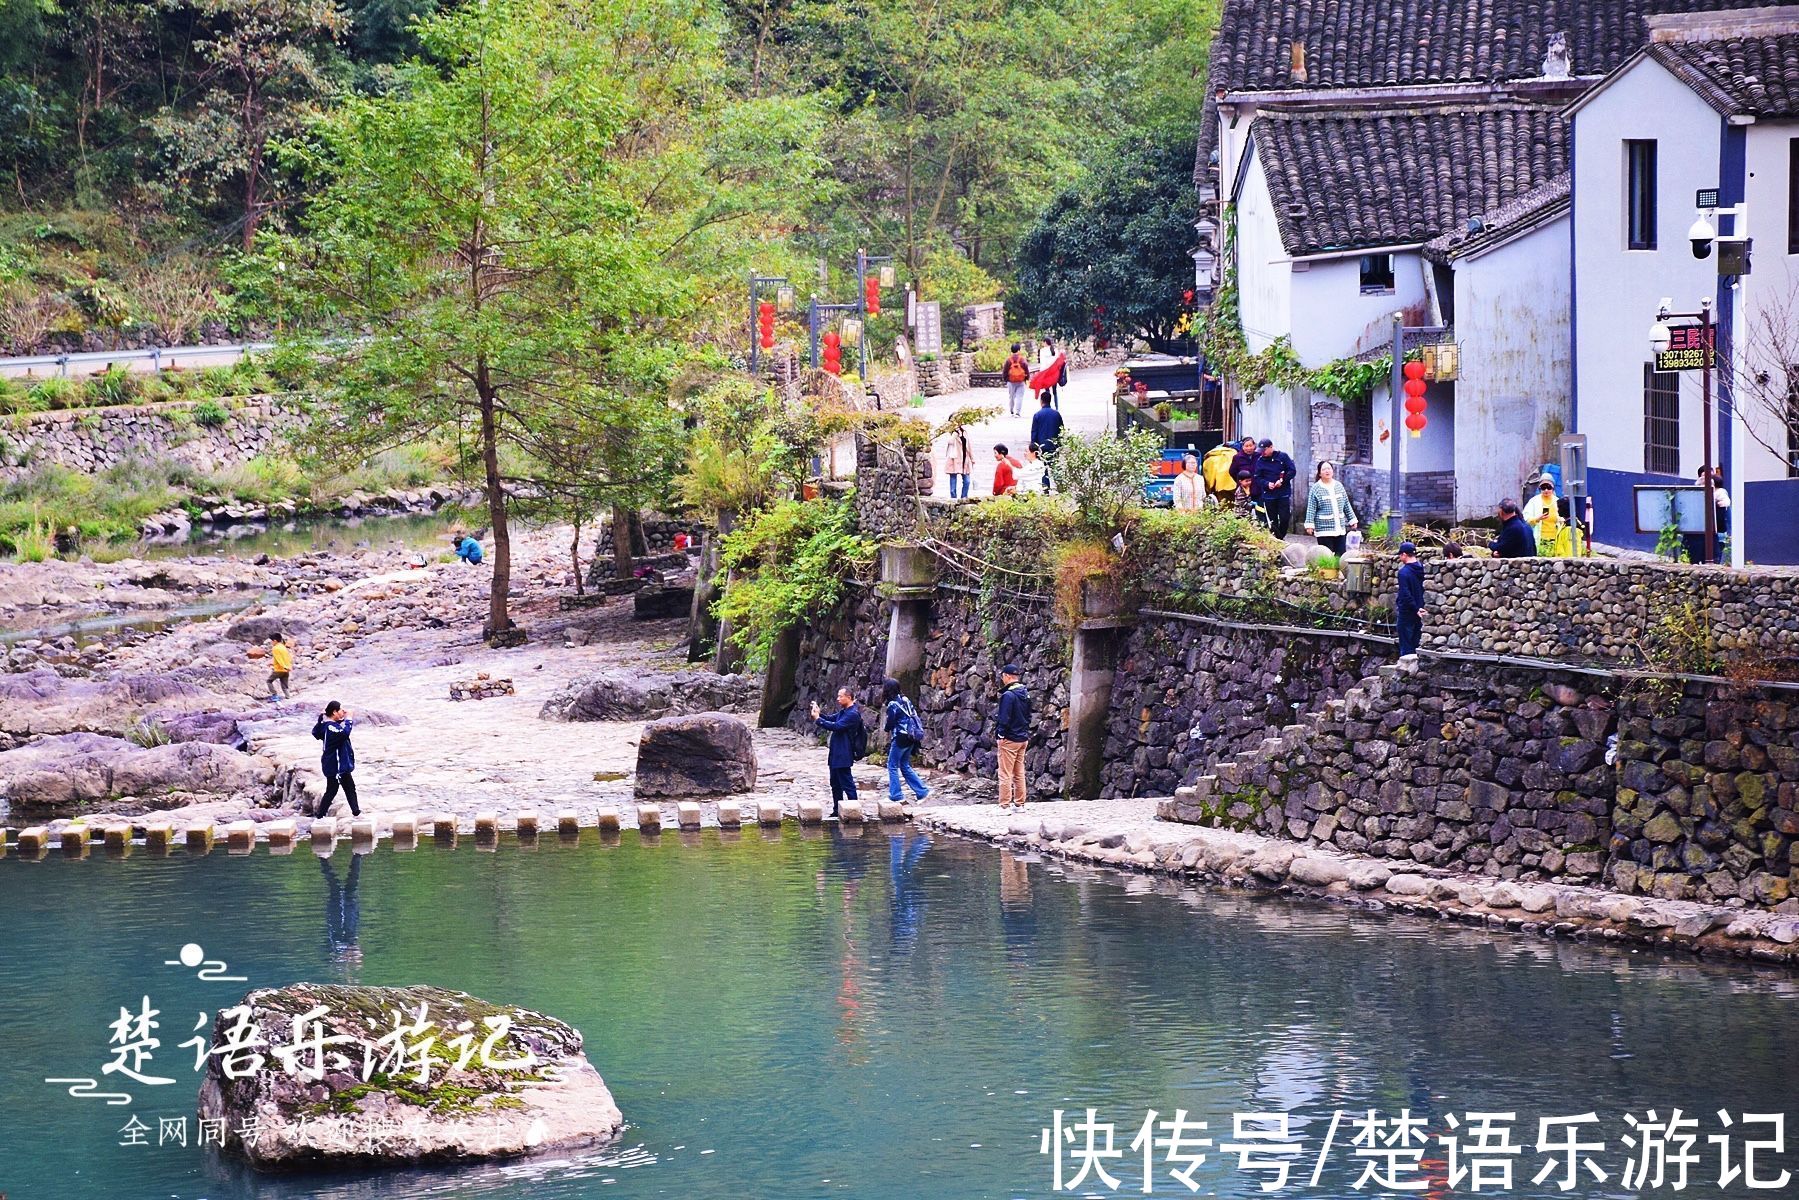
column 1549, row 517
column 1216, row 468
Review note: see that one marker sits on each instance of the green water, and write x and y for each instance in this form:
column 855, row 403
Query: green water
column 866, row 1016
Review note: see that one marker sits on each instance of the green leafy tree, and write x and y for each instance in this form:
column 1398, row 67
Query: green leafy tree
column 264, row 73
column 525, row 235
column 1115, row 248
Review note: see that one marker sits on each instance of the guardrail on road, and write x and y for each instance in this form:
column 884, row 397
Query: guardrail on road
column 161, row 358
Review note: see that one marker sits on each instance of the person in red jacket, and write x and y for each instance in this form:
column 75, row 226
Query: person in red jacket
column 1005, row 477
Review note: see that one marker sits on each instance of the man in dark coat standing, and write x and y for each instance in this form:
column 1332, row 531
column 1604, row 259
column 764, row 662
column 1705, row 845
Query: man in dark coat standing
column 1272, row 486
column 1046, row 433
column 843, row 726
column 1516, row 539
column 1409, row 607
column 1012, row 727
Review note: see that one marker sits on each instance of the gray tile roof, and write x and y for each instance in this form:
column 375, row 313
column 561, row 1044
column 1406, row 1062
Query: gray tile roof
column 1522, row 213
column 1372, row 43
column 1753, row 76
column 1351, row 179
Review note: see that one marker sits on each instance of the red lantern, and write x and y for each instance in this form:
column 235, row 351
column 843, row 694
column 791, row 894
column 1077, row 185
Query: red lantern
column 765, row 323
column 833, row 353
column 1414, row 397
column 871, row 295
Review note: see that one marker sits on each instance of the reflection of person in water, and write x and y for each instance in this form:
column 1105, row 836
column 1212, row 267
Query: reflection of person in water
column 903, row 854
column 1016, row 916
column 343, row 912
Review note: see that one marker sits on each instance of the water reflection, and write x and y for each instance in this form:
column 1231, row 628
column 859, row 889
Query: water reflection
column 907, row 909
column 343, row 916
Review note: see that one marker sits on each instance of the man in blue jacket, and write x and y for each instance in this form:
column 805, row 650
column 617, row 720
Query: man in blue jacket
column 848, row 734
column 1046, row 434
column 1409, row 608
column 1516, row 539
column 1012, row 725
column 1271, row 486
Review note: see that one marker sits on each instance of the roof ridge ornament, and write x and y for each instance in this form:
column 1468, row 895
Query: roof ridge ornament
column 1557, row 62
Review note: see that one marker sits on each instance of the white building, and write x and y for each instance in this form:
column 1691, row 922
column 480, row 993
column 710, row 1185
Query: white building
column 1383, row 155
column 1711, row 102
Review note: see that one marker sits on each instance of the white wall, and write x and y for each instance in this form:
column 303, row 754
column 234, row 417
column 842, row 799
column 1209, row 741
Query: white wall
column 1511, row 307
column 1771, row 291
column 1264, row 278
column 1616, row 290
column 1330, row 315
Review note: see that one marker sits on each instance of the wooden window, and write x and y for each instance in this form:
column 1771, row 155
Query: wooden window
column 1639, row 197
column 1661, row 421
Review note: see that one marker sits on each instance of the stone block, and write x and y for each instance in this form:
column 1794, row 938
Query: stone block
column 850, row 812
column 324, row 832
column 730, row 814
column 487, row 826
column 608, row 820
column 649, row 818
column 568, row 825
column 527, row 824
column 891, row 810
column 159, row 836
column 198, row 839
column 701, row 754
column 362, row 831
column 73, row 840
column 443, row 830
column 687, row 813
column 768, row 812
column 812, row 812
column 240, row 837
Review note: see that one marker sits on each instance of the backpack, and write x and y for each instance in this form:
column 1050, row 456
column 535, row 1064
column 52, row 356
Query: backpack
column 909, row 726
column 858, row 735
column 1016, row 371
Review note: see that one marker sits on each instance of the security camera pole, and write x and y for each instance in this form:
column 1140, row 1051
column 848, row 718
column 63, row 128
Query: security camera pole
column 1660, row 337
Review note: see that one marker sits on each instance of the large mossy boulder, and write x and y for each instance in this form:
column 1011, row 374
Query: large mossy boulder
column 356, row 1093
column 61, row 776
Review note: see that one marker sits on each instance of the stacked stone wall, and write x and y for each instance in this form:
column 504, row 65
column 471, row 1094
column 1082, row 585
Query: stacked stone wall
column 1684, row 790
column 96, row 439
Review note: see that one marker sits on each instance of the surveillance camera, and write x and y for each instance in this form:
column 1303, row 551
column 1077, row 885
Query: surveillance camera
column 1702, row 235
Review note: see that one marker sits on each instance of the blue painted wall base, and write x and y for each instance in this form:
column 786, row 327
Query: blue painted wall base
column 1772, row 508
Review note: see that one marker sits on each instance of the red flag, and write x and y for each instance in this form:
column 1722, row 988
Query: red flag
column 1049, row 376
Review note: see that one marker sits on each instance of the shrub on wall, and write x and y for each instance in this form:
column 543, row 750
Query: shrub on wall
column 792, row 562
column 210, row 413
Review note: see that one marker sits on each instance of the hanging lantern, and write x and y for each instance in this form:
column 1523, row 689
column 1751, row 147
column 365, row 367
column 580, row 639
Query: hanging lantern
column 852, row 332
column 832, row 356
column 1414, row 397
column 871, row 295
column 785, row 297
column 765, row 323
column 889, row 276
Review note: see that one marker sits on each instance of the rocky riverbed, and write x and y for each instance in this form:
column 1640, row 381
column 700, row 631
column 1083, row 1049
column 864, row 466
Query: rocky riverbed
column 387, row 634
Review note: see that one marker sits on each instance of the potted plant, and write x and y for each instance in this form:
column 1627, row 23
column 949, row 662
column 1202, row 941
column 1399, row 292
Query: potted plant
column 1164, row 411
column 1328, row 566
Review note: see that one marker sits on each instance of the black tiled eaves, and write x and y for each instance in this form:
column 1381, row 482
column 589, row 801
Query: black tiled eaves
column 1750, row 76
column 1376, row 43
column 1349, row 179
column 1524, row 212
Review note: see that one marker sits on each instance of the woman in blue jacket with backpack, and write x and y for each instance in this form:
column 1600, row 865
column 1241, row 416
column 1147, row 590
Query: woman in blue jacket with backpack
column 339, row 759
column 905, row 735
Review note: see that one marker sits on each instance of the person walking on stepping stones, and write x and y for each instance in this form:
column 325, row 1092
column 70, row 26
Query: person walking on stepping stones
column 339, row 759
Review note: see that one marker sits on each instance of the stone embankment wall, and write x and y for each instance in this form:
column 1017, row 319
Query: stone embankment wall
column 1192, row 692
column 1514, row 772
column 92, row 440
column 1606, row 610
column 967, row 645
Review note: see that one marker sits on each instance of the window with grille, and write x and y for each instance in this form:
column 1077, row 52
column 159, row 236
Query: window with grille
column 1358, row 430
column 1661, row 421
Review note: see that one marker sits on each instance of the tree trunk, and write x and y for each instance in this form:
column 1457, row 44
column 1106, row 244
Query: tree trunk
column 498, row 620
column 622, row 560
column 574, row 554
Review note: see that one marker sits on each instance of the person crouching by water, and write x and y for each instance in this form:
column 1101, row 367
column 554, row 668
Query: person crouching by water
column 849, row 742
column 466, row 548
column 339, row 760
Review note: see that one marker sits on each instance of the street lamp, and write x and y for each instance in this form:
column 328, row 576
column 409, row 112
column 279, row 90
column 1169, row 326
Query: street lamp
column 1661, row 337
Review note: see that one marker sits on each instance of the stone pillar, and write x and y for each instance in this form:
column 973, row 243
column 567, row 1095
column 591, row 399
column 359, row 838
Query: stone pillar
column 1098, row 642
column 778, row 683
column 908, row 579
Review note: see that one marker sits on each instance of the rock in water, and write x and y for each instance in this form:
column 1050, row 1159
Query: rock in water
column 702, row 754
column 617, row 696
column 519, row 1084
